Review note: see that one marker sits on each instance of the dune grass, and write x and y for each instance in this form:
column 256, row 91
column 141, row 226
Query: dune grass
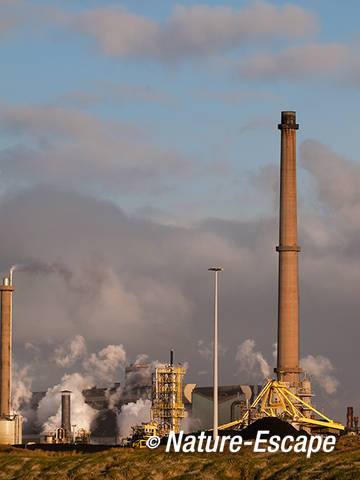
column 127, row 464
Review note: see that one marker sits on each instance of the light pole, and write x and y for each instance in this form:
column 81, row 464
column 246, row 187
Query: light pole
column 216, row 399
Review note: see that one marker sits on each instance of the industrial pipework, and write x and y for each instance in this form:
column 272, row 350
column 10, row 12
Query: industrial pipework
column 167, row 411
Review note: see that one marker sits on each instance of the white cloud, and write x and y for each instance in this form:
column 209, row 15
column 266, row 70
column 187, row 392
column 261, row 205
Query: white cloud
column 192, row 31
column 73, row 148
column 325, row 62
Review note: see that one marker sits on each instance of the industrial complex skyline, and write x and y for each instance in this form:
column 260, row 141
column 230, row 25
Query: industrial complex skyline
column 139, row 146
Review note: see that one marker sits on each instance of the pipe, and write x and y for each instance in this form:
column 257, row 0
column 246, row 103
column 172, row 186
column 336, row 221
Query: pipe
column 171, row 357
column 349, row 418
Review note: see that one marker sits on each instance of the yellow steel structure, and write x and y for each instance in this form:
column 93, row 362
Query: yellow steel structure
column 141, row 433
column 276, row 400
column 167, row 406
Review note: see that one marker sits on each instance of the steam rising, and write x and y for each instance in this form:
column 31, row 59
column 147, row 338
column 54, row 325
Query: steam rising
column 318, row 367
column 251, row 361
column 106, row 363
column 21, row 388
column 321, row 369
column 206, row 350
column 57, row 268
column 103, row 367
column 49, row 410
column 133, row 414
column 70, row 353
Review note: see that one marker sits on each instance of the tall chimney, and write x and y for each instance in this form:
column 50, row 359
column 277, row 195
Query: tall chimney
column 65, row 412
column 171, row 357
column 6, row 334
column 288, row 302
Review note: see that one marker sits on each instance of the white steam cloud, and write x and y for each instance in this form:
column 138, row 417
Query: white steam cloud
column 21, row 388
column 114, row 398
column 49, row 410
column 133, row 414
column 104, row 364
column 206, row 350
column 251, row 361
column 71, row 352
column 274, row 353
column 318, row 367
column 321, row 369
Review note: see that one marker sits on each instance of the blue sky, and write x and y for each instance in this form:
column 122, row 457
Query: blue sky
column 42, row 62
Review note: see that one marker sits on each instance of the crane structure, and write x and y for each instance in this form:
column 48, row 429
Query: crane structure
column 277, row 400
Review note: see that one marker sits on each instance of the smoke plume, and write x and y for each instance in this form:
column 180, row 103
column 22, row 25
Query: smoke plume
column 49, row 410
column 251, row 361
column 206, row 350
column 133, row 414
column 21, row 388
column 321, row 369
column 114, row 398
column 72, row 351
column 56, row 268
column 105, row 364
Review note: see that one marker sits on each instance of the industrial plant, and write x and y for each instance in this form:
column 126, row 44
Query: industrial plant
column 288, row 397
column 66, row 433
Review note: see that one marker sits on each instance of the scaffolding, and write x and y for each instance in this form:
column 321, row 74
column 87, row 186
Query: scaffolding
column 277, row 400
column 167, row 406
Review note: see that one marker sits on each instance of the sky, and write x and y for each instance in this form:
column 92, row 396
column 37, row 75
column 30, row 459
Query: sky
column 139, row 146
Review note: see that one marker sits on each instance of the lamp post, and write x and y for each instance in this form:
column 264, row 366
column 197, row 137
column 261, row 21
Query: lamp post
column 216, row 399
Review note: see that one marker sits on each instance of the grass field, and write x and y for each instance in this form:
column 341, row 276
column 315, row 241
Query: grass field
column 343, row 463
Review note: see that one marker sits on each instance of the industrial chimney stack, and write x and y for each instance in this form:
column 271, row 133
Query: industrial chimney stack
column 349, row 418
column 10, row 423
column 65, row 412
column 288, row 303
column 6, row 333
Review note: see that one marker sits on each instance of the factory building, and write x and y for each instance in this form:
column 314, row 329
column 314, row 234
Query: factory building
column 233, row 402
column 288, row 397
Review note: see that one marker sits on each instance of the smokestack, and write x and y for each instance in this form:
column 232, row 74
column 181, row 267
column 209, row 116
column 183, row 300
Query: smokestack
column 65, row 412
column 6, row 338
column 288, row 301
column 171, row 357
column 349, row 418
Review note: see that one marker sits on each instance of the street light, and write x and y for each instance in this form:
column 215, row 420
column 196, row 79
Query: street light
column 216, row 399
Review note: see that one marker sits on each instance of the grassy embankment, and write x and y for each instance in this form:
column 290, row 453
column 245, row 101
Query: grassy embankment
column 121, row 464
